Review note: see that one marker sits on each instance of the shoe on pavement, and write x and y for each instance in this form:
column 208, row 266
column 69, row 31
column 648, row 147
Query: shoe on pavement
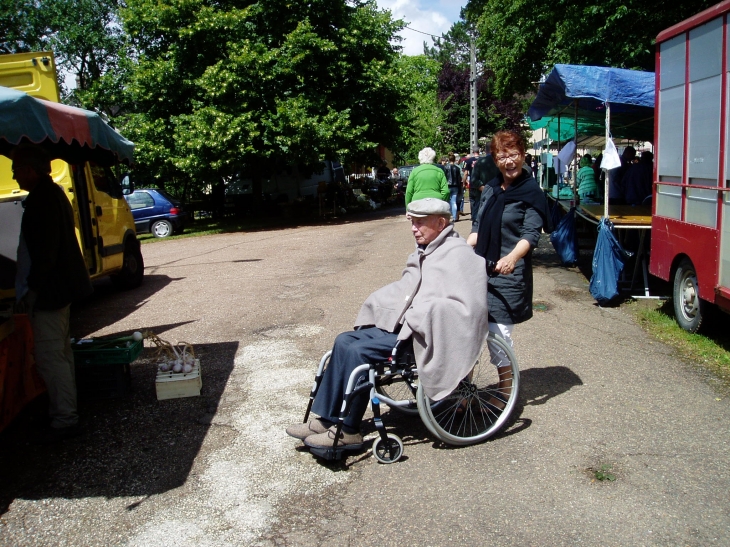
column 302, row 431
column 347, row 441
column 55, row 435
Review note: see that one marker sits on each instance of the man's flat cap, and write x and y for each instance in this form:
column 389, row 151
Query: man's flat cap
column 428, row 206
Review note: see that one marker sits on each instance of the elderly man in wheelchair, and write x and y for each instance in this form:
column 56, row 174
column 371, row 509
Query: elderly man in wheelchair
column 433, row 315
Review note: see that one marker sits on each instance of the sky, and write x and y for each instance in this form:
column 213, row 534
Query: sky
column 432, row 16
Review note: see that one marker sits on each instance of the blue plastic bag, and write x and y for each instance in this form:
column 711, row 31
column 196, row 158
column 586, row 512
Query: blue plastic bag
column 608, row 263
column 565, row 239
column 556, row 215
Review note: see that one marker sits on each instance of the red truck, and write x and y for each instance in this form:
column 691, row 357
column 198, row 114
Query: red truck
column 690, row 230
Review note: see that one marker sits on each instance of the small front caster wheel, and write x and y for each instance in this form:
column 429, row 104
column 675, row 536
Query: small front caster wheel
column 388, row 451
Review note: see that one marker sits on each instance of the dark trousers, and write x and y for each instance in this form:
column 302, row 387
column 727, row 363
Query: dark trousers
column 474, row 199
column 351, row 350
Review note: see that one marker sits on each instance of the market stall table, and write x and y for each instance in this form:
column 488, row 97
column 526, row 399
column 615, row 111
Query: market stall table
column 623, row 217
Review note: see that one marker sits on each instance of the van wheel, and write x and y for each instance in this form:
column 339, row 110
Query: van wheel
column 132, row 272
column 688, row 308
column 161, row 228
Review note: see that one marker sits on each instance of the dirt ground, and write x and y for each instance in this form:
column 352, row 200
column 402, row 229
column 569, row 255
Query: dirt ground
column 599, row 397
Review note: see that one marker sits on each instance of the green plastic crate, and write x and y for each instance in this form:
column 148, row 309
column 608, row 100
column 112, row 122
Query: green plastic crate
column 102, row 367
column 106, row 351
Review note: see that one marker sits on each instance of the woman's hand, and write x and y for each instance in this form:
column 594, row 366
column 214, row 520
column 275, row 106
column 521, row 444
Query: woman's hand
column 506, row 264
column 472, row 239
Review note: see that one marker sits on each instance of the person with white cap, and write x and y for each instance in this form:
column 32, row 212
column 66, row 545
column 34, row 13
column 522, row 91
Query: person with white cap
column 432, row 304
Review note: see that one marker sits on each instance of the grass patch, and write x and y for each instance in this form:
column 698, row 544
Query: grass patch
column 203, row 227
column 603, row 473
column 710, row 348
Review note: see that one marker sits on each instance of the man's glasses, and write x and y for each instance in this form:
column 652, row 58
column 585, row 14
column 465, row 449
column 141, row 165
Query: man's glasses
column 511, row 157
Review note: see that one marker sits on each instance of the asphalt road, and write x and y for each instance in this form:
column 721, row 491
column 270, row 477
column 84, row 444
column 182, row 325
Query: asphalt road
column 598, row 396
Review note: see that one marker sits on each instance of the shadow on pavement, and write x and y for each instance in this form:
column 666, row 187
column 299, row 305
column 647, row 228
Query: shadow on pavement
column 107, row 305
column 134, row 446
column 539, row 385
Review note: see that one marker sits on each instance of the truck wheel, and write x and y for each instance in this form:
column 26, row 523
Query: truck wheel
column 688, row 308
column 132, row 272
column 161, row 228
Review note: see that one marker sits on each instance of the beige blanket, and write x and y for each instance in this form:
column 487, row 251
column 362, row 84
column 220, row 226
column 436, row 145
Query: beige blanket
column 440, row 300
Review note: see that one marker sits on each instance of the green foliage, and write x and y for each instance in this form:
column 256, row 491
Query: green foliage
column 225, row 87
column 424, row 119
column 83, row 34
column 24, row 26
column 452, row 47
column 519, row 42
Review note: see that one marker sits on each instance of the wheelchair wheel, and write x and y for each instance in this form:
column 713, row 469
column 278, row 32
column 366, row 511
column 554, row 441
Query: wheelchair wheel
column 388, row 452
column 482, row 402
column 400, row 388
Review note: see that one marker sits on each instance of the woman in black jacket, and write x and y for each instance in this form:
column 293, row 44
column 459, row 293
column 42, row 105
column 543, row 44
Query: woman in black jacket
column 512, row 212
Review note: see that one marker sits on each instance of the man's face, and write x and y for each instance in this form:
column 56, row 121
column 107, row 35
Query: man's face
column 24, row 175
column 426, row 229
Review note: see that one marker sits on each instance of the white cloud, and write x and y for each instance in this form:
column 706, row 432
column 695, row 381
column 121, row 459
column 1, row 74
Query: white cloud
column 429, row 16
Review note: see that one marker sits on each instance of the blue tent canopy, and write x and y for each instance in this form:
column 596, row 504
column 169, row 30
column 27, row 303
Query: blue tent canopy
column 585, row 90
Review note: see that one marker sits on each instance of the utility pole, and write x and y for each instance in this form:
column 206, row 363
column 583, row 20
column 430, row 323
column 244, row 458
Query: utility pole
column 473, row 94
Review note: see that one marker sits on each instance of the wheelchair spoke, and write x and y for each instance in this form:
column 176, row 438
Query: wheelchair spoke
column 482, row 402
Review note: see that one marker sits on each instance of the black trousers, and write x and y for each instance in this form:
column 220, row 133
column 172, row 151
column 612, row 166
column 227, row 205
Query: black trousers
column 351, row 349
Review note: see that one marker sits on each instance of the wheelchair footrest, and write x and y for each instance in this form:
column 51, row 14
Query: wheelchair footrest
column 334, row 454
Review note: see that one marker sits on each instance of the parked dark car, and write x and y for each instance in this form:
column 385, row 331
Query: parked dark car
column 405, row 171
column 157, row 212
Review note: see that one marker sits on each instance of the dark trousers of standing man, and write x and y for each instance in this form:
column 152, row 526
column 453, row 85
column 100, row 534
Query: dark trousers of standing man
column 475, row 196
column 351, row 349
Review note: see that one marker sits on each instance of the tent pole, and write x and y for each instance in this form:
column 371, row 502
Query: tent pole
column 575, row 160
column 558, row 177
column 606, row 183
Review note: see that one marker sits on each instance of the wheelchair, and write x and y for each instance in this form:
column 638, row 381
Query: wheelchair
column 474, row 411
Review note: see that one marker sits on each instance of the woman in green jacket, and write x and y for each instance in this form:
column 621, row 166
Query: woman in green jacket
column 427, row 180
column 586, row 179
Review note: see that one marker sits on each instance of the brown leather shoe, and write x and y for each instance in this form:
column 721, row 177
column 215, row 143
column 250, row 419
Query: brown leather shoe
column 302, row 431
column 348, row 441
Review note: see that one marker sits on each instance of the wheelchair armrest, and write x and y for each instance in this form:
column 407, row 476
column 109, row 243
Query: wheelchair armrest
column 396, row 350
column 401, row 350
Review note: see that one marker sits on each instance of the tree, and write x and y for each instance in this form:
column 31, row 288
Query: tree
column 519, row 41
column 424, row 120
column 86, row 40
column 229, row 86
column 452, row 52
column 24, row 26
column 453, row 47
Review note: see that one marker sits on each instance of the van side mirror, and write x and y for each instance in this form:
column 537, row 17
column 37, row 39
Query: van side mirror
column 127, row 185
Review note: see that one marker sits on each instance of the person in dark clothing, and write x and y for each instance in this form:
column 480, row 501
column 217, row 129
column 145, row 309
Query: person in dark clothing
column 616, row 189
column 485, row 169
column 56, row 276
column 512, row 213
column 638, row 180
column 599, row 174
column 454, row 177
column 383, row 173
column 466, row 167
